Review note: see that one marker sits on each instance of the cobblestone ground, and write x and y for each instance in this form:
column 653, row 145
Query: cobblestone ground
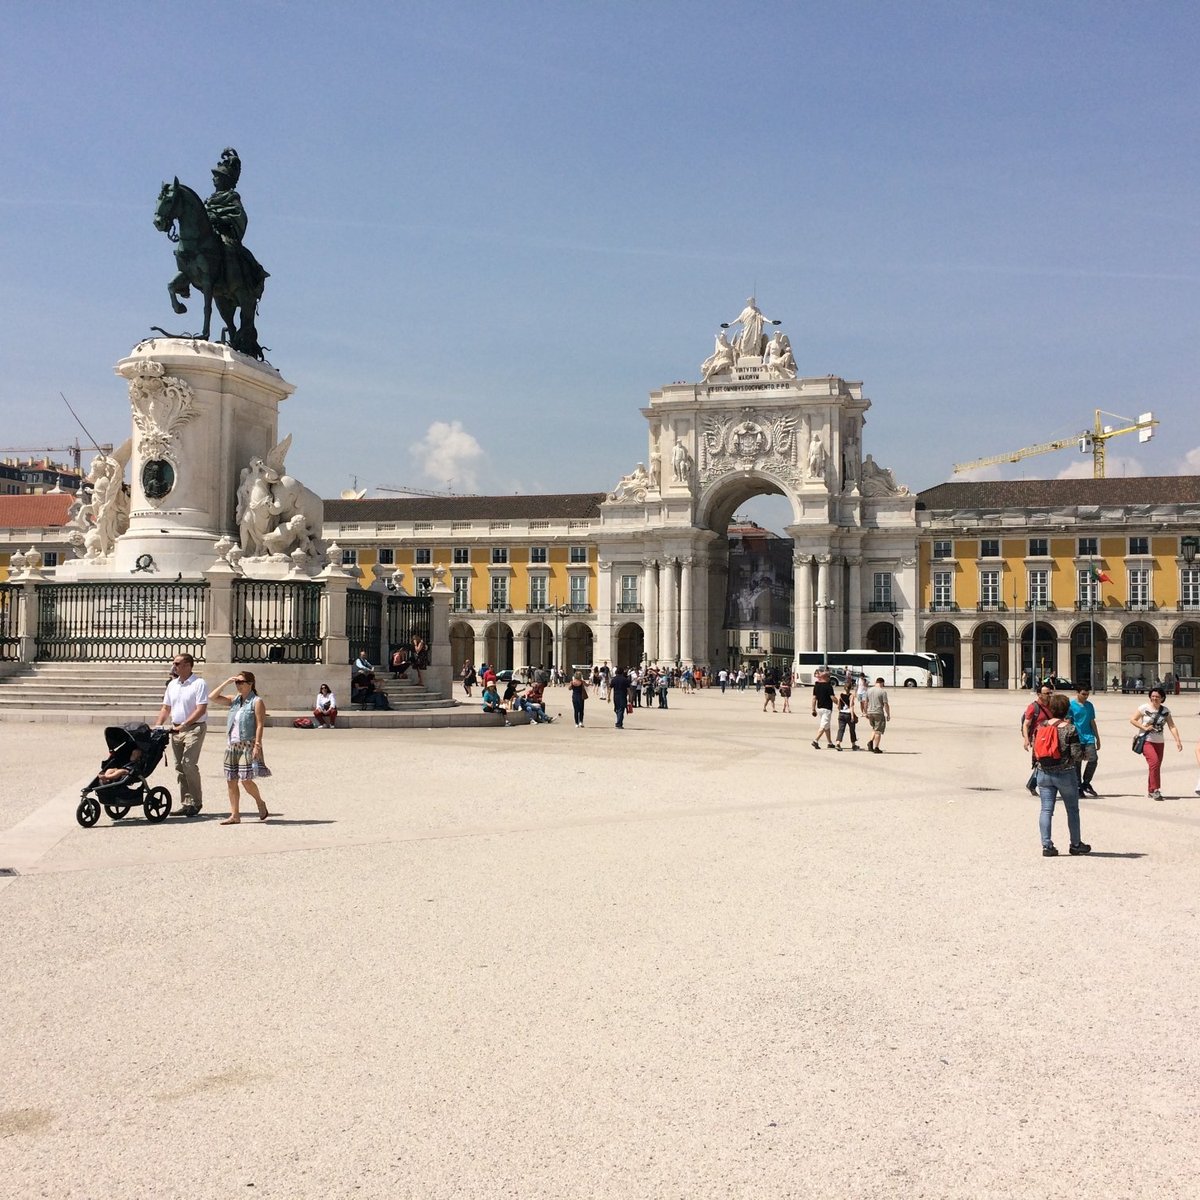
column 693, row 958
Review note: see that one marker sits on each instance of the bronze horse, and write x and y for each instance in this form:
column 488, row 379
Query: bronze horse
column 228, row 274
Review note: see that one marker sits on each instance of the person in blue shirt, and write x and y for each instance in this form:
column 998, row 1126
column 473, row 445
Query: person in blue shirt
column 1083, row 714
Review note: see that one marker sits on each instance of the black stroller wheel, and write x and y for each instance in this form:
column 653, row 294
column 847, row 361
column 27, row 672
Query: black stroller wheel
column 88, row 812
column 158, row 805
column 117, row 811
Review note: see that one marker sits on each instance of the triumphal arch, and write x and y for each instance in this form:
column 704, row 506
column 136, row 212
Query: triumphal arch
column 752, row 426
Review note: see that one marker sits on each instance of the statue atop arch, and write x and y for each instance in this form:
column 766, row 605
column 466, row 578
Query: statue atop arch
column 751, row 342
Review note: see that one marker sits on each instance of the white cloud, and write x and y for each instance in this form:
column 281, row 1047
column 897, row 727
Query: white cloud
column 1191, row 462
column 1116, row 466
column 978, row 474
column 449, row 456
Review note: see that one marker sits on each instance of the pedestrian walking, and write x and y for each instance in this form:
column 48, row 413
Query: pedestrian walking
column 879, row 713
column 847, row 717
column 620, row 694
column 185, row 707
column 579, row 694
column 244, row 762
column 1151, row 719
column 785, row 691
column 1083, row 716
column 1058, row 750
column 769, row 691
column 822, row 707
column 1037, row 711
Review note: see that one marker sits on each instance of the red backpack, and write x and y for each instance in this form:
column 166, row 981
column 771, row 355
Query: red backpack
column 1046, row 749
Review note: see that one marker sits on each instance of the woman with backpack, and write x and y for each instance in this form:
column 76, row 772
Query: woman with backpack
column 1151, row 719
column 1056, row 748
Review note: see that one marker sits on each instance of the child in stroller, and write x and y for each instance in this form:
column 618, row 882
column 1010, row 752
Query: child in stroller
column 134, row 751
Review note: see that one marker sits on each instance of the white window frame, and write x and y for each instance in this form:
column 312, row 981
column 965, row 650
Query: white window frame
column 1087, row 591
column 943, row 590
column 577, row 555
column 882, row 589
column 462, row 556
column 1035, row 543
column 1139, row 587
column 1143, row 553
column 577, row 597
column 349, row 556
column 1039, row 587
column 387, row 556
column 1089, row 547
column 539, row 593
column 989, row 588
column 462, row 592
column 984, row 543
column 423, row 556
column 629, row 593
column 943, row 548
column 499, row 556
column 1189, row 587
column 498, row 593
column 539, row 555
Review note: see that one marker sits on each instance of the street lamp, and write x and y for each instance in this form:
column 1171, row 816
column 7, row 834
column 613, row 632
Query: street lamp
column 895, row 642
column 1188, row 547
column 825, row 607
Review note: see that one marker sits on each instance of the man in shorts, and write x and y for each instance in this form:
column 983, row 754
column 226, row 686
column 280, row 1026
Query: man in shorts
column 822, row 707
column 879, row 713
column 1083, row 714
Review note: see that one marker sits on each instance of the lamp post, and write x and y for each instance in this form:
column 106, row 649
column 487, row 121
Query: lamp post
column 895, row 642
column 824, row 607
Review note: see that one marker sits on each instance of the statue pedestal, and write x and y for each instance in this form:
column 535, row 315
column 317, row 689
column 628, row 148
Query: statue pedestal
column 201, row 411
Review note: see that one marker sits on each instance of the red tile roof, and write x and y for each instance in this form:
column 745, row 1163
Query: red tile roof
column 46, row 511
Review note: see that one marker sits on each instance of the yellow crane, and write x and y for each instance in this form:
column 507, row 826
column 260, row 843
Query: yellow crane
column 1090, row 440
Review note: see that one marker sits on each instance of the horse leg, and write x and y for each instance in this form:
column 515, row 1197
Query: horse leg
column 227, row 309
column 176, row 288
column 208, row 301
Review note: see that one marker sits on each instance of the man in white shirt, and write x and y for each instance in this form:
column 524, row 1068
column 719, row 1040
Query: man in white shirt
column 185, row 709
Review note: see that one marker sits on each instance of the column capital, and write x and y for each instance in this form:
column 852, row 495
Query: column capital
column 854, row 560
column 604, row 566
column 650, row 562
column 688, row 560
column 824, row 559
column 802, row 560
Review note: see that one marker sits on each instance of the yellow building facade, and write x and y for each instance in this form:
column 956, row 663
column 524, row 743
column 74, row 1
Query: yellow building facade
column 1077, row 578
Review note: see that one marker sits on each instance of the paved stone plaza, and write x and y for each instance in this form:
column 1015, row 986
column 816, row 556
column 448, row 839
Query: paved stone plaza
column 697, row 958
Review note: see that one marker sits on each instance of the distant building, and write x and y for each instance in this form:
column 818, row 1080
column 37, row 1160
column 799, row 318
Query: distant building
column 37, row 521
column 999, row 560
column 36, row 476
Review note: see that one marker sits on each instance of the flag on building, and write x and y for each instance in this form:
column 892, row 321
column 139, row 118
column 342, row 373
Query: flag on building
column 1098, row 575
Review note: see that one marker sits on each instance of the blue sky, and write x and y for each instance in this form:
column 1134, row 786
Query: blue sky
column 508, row 223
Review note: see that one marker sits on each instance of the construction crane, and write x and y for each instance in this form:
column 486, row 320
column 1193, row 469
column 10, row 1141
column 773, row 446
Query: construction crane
column 407, row 491
column 1091, row 441
column 75, row 451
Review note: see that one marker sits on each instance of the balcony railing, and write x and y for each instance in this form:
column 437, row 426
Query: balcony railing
column 632, row 607
column 1141, row 606
column 499, row 608
column 951, row 607
column 992, row 606
column 887, row 606
column 1047, row 607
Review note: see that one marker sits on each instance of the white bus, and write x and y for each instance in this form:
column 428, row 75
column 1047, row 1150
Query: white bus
column 896, row 670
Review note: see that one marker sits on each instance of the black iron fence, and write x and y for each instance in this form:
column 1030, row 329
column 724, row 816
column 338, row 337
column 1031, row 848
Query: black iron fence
column 364, row 623
column 276, row 621
column 119, row 622
column 10, row 614
column 408, row 616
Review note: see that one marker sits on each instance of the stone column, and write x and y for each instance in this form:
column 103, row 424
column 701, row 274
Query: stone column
column 650, row 607
column 27, row 618
column 802, row 600
column 336, row 582
column 966, row 662
column 702, row 633
column 604, row 649
column 1062, row 664
column 823, row 561
column 218, row 624
column 668, row 644
column 686, row 613
column 854, row 602
column 1014, row 662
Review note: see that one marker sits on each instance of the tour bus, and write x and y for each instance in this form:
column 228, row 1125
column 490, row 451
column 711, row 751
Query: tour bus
column 899, row 669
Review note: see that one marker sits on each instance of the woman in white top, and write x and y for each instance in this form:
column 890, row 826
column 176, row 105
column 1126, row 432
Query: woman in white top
column 325, row 708
column 1151, row 719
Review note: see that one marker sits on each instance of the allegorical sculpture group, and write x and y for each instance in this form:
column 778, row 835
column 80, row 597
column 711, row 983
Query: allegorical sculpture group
column 775, row 353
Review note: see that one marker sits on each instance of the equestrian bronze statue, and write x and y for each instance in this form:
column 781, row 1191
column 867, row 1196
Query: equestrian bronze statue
column 210, row 255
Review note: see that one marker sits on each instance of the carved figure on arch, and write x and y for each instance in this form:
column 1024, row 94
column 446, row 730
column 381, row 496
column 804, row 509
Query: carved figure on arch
column 681, row 464
column 879, row 481
column 778, row 360
column 817, row 458
column 632, row 486
column 751, row 341
column 720, row 361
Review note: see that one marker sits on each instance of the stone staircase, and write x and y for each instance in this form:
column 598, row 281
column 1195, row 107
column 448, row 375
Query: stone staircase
column 103, row 693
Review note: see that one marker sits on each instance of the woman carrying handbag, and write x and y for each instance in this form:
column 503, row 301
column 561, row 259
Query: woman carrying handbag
column 1150, row 720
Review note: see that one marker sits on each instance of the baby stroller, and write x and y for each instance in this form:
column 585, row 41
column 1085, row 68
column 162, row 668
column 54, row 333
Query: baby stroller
column 135, row 751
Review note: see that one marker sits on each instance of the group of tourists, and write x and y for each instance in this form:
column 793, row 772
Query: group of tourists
column 852, row 700
column 1063, row 741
